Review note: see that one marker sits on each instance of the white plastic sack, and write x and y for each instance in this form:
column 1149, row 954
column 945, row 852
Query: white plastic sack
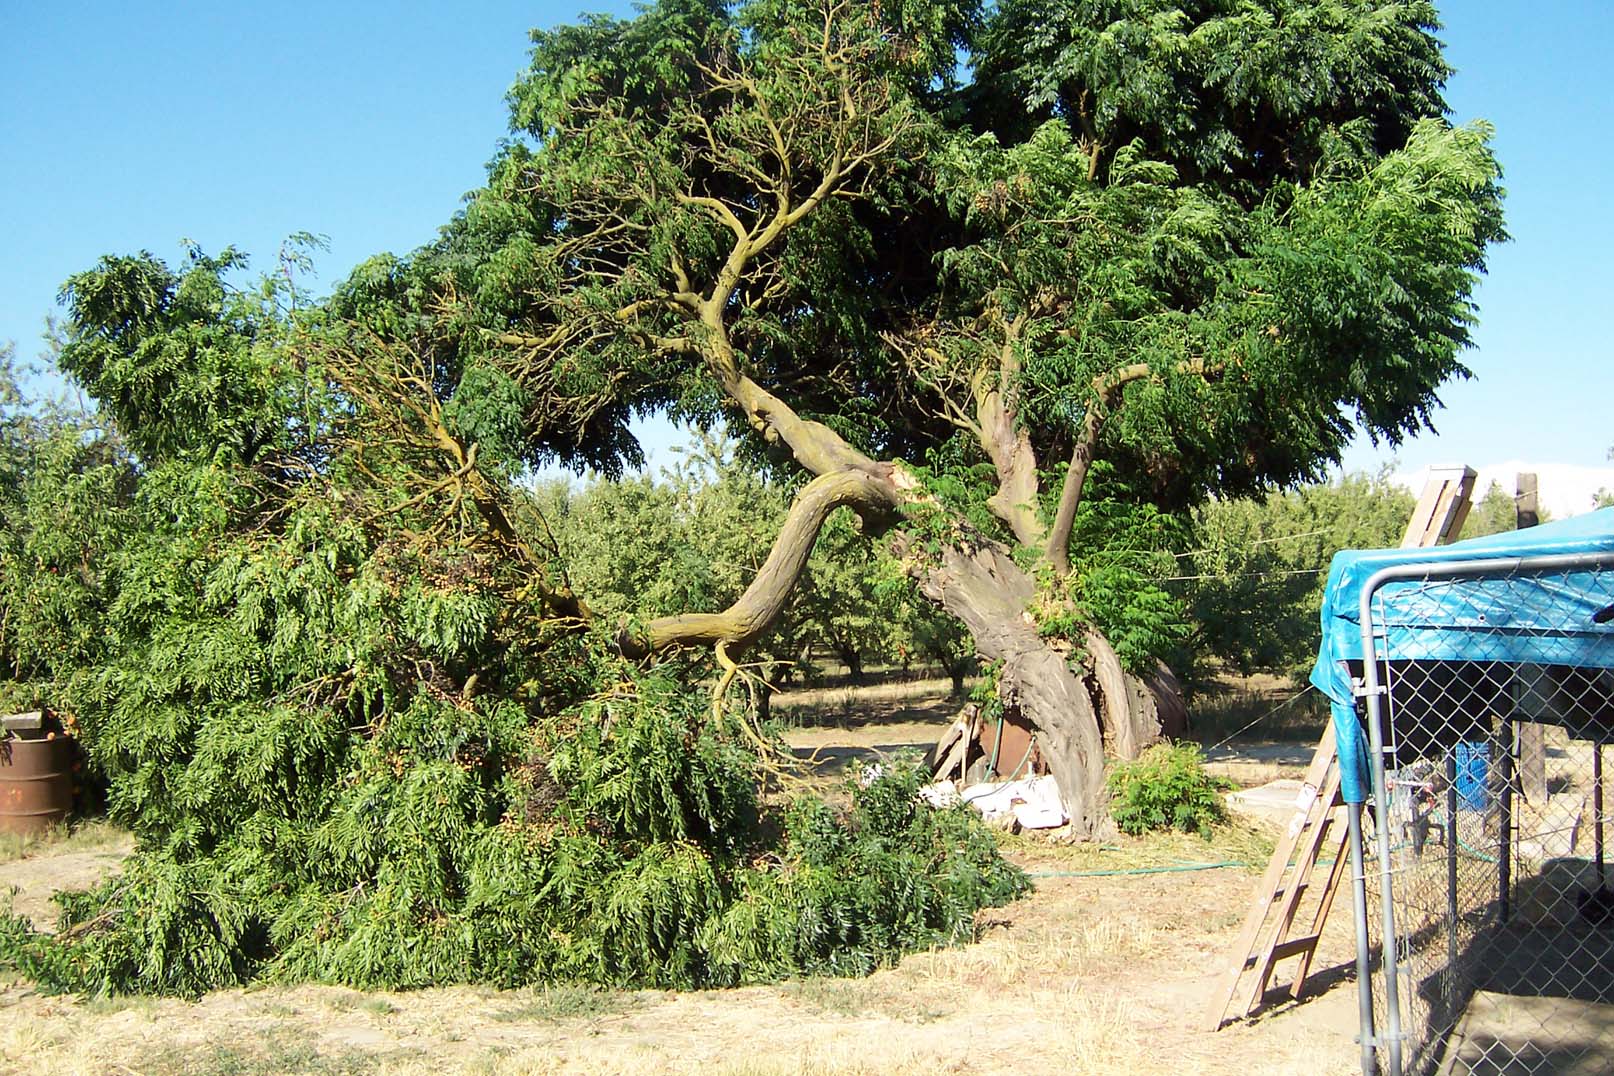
column 1034, row 802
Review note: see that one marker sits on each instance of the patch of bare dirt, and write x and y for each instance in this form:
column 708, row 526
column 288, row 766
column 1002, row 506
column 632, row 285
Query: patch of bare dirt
column 46, row 872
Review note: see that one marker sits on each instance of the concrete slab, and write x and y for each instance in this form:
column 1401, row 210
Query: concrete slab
column 1274, row 802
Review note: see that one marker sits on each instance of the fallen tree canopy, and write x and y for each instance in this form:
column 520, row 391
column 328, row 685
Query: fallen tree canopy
column 364, row 736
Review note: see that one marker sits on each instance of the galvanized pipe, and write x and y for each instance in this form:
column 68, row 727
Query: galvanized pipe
column 1451, row 883
column 1381, row 818
column 1364, row 966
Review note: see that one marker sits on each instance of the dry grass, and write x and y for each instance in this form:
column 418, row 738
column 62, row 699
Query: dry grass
column 848, row 707
column 1257, row 707
column 1235, row 841
column 853, row 699
column 557, row 1003
column 92, row 835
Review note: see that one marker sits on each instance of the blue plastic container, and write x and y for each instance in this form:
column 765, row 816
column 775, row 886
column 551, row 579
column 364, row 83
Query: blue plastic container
column 1473, row 776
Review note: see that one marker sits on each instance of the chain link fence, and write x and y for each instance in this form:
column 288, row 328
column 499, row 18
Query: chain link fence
column 1490, row 902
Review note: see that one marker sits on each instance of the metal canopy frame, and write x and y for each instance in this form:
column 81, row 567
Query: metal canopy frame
column 1386, row 1044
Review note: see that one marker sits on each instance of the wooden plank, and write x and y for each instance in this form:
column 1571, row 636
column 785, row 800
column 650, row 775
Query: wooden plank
column 953, row 748
column 1530, row 738
column 1298, row 946
column 1227, row 985
column 1526, row 505
column 1442, row 507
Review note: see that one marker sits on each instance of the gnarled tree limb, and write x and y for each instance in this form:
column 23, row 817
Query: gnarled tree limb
column 1007, row 444
column 749, row 617
column 1106, row 391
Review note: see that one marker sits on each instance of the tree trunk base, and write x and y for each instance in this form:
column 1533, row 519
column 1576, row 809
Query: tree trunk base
column 989, row 592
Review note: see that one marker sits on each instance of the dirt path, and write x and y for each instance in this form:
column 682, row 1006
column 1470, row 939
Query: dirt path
column 37, row 877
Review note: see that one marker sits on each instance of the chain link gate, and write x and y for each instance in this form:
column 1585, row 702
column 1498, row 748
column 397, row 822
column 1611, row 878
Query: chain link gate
column 1485, row 907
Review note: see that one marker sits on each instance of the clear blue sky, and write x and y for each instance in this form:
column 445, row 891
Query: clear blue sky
column 127, row 127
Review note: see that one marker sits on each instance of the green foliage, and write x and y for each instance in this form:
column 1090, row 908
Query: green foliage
column 1242, row 94
column 1123, row 547
column 895, row 875
column 65, row 489
column 1122, row 551
column 1165, row 788
column 1263, row 564
column 361, row 737
column 182, row 361
column 958, row 483
column 1250, row 340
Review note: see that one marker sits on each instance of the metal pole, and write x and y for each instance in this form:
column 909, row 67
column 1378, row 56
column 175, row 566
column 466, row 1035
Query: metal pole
column 1504, row 839
column 1364, row 967
column 1381, row 818
column 1597, row 802
column 1451, row 884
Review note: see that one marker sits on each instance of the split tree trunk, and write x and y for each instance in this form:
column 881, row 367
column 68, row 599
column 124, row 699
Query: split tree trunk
column 989, row 592
column 1078, row 708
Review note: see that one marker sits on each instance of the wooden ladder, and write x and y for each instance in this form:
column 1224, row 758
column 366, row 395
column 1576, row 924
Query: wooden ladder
column 1318, row 826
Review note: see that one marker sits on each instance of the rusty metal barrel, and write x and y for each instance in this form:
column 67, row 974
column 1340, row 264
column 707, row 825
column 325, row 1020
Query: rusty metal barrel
column 36, row 783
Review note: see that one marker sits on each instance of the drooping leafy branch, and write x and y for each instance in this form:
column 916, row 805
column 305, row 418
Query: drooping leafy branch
column 339, row 692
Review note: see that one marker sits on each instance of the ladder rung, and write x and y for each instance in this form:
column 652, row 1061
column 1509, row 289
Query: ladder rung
column 1285, row 949
column 1294, row 946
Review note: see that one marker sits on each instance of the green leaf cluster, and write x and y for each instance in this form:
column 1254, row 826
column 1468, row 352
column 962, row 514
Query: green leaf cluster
column 1166, row 787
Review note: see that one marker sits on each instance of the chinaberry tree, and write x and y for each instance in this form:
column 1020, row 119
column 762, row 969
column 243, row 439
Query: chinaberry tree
column 1011, row 286
column 950, row 263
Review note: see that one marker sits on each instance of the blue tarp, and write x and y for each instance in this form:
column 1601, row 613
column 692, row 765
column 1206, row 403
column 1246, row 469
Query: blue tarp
column 1544, row 620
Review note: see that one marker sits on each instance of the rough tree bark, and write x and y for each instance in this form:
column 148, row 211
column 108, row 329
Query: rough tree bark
column 987, row 591
column 748, row 618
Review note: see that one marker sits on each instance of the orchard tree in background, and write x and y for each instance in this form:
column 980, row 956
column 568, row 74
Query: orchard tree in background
column 1260, row 564
column 1201, row 243
column 63, row 484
